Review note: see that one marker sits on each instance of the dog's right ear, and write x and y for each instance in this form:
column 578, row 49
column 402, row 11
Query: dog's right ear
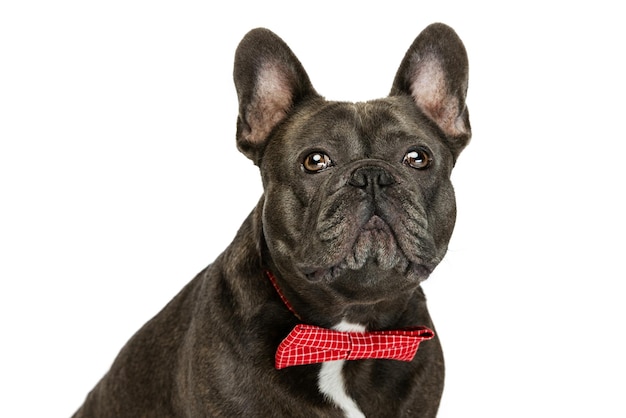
column 270, row 82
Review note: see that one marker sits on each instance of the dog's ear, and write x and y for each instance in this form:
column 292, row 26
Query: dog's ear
column 435, row 73
column 270, row 82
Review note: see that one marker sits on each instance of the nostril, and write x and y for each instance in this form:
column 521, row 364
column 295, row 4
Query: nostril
column 384, row 178
column 370, row 176
column 358, row 179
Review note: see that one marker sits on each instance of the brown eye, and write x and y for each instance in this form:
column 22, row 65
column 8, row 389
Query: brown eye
column 316, row 162
column 418, row 158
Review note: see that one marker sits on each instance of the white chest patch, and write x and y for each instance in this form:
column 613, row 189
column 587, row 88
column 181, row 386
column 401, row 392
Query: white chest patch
column 331, row 382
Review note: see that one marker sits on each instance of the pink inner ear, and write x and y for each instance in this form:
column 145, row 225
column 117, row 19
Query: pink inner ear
column 272, row 99
column 431, row 94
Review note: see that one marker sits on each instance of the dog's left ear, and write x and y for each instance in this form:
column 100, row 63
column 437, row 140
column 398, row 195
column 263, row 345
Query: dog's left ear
column 270, row 83
column 435, row 73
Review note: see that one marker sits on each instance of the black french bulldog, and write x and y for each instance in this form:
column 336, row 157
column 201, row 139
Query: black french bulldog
column 357, row 211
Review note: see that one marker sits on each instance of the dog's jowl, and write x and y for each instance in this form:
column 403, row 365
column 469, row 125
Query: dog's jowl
column 316, row 307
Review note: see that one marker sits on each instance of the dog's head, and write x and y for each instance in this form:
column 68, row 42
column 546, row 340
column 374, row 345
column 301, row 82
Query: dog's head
column 358, row 199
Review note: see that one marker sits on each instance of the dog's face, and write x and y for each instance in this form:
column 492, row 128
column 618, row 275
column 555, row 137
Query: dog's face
column 354, row 192
column 358, row 199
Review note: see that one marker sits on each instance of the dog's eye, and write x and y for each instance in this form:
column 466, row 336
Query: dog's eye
column 417, row 158
column 316, row 162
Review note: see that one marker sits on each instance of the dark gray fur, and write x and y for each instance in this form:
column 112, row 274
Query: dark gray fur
column 352, row 242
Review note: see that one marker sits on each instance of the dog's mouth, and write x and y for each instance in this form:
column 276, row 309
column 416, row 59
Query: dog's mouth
column 375, row 246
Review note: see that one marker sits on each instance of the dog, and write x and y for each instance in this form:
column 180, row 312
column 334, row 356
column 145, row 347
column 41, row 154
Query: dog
column 357, row 210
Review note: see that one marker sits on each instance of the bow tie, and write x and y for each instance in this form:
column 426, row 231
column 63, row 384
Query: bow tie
column 308, row 344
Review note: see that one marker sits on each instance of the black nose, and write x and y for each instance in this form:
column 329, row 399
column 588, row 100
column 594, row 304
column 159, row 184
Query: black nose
column 371, row 177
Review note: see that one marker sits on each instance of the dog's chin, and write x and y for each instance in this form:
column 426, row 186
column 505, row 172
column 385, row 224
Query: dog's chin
column 408, row 271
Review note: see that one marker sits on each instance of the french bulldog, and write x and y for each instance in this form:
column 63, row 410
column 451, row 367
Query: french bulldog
column 357, row 211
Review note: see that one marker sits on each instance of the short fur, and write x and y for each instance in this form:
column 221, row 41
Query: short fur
column 351, row 243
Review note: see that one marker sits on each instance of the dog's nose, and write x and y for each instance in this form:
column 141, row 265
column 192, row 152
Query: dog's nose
column 370, row 176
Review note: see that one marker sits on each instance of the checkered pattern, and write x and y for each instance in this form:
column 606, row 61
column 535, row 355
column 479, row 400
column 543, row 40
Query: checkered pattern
column 308, row 344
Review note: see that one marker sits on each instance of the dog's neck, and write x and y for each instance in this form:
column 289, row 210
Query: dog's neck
column 316, row 304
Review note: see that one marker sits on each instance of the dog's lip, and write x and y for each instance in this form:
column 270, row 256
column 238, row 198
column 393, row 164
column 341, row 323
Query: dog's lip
column 375, row 222
column 407, row 264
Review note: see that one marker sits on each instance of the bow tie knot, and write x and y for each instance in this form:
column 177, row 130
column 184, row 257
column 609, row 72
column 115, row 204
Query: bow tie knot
column 308, row 344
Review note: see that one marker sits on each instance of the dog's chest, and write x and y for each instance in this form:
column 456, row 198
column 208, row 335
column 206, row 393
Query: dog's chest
column 331, row 380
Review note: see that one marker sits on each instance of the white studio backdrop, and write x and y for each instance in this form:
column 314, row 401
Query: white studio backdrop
column 120, row 180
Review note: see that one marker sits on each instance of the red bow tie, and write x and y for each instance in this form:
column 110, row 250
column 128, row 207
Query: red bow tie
column 308, row 344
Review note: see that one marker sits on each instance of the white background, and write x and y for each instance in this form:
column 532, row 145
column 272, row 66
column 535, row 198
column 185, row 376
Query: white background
column 119, row 180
